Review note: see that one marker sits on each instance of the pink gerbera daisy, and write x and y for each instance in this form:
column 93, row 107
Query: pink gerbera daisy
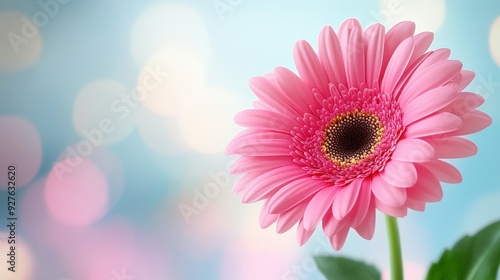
column 364, row 127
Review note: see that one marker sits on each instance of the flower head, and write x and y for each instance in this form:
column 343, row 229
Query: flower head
column 364, row 127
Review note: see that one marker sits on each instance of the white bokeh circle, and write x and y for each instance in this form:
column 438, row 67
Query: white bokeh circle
column 163, row 25
column 25, row 261
column 104, row 112
column 169, row 80
column 207, row 125
column 20, row 41
column 428, row 15
column 495, row 40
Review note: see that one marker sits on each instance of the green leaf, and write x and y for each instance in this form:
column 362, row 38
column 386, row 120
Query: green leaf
column 473, row 257
column 340, row 268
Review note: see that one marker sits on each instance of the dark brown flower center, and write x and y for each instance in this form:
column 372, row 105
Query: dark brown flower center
column 351, row 137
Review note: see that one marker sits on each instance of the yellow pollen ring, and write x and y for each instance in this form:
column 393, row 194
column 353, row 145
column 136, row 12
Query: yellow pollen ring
column 351, row 137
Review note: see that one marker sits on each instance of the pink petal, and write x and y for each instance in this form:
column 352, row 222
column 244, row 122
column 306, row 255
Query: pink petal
column 266, row 89
column 309, row 66
column 387, row 194
column 264, row 119
column 345, row 199
column 293, row 193
column 351, row 42
column 428, row 103
column 262, row 185
column 427, row 188
column 243, row 181
column 397, row 65
column 399, row 173
column 254, row 142
column 272, row 147
column 418, row 66
column 453, row 82
column 266, row 219
column 435, row 57
column 331, row 225
column 331, row 57
column 444, row 171
column 434, row 125
column 413, row 150
column 317, row 207
column 473, row 122
column 453, row 147
column 297, row 94
column 400, row 211
column 414, row 66
column 416, row 205
column 355, row 58
column 367, row 227
column 257, row 133
column 418, row 58
column 303, row 235
column 429, row 60
column 363, row 203
column 338, row 239
column 246, row 164
column 397, row 34
column 464, row 103
column 433, row 76
column 422, row 43
column 346, row 28
column 373, row 39
column 467, row 77
column 287, row 219
column 258, row 104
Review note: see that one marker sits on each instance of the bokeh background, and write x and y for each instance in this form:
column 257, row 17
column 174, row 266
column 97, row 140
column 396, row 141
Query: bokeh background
column 112, row 187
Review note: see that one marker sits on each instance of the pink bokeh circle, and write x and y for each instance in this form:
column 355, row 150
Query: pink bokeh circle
column 20, row 147
column 76, row 194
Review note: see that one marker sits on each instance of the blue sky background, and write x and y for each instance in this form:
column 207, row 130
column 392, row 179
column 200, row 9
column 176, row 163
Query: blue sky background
column 118, row 211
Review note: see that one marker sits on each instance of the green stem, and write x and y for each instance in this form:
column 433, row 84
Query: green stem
column 395, row 248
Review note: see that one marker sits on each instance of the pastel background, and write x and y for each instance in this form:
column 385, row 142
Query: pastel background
column 111, row 186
